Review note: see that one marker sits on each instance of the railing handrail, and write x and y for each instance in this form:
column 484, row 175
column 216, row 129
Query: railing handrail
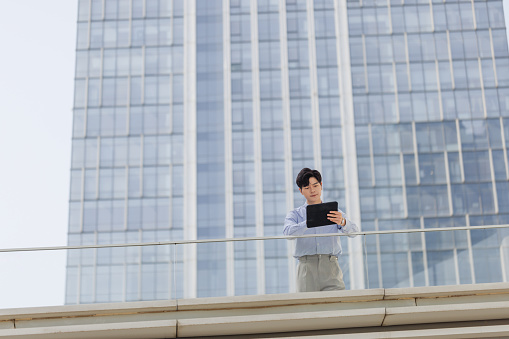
column 201, row 241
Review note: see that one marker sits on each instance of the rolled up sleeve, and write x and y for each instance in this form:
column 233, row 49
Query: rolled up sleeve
column 350, row 227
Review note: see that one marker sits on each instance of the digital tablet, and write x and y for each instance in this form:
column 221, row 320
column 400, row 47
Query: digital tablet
column 317, row 214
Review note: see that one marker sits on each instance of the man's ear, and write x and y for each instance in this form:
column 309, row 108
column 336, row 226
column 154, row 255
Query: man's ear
column 300, row 189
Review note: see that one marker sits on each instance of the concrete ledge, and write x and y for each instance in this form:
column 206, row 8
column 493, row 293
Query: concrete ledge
column 94, row 319
column 4, row 325
column 446, row 313
column 469, row 299
column 463, row 332
column 136, row 330
column 306, row 321
column 287, row 299
column 446, row 291
column 348, row 311
column 88, row 310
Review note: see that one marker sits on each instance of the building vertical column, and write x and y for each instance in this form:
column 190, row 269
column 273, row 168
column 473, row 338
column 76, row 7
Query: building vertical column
column 210, row 147
column 504, row 147
column 470, row 250
column 493, row 181
column 349, row 142
column 460, row 151
column 285, row 96
column 257, row 142
column 228, row 157
column 313, row 85
column 448, row 177
column 403, row 182
column 190, row 192
column 424, row 252
column 492, row 56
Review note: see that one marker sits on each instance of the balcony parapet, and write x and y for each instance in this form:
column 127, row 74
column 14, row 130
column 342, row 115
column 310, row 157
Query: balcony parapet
column 451, row 311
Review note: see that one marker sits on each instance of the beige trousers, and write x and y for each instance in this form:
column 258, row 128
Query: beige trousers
column 319, row 272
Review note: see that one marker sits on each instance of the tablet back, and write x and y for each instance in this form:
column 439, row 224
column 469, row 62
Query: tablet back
column 317, row 214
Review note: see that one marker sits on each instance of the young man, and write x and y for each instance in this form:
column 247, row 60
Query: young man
column 318, row 268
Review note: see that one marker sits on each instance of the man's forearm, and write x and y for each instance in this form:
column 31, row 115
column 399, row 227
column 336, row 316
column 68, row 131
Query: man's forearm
column 292, row 228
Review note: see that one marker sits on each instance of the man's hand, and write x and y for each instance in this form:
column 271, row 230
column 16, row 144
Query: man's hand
column 336, row 217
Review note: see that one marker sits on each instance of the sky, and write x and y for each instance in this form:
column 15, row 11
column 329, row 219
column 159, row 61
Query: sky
column 37, row 40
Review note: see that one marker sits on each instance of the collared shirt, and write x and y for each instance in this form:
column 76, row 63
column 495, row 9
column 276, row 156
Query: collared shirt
column 295, row 224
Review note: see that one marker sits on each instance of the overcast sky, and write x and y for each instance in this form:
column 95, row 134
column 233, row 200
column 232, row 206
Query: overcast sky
column 37, row 40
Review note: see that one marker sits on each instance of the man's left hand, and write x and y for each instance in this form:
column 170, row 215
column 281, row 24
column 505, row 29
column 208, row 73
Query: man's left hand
column 336, row 217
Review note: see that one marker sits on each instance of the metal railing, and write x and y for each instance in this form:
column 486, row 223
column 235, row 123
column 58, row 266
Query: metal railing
column 200, row 241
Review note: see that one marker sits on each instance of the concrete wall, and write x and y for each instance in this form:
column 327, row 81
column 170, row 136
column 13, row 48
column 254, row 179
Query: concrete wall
column 476, row 311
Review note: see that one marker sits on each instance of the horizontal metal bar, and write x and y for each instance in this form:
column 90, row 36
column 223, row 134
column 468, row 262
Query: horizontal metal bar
column 204, row 241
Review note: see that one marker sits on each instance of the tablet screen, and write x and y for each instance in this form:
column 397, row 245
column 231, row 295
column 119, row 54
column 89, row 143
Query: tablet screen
column 317, row 214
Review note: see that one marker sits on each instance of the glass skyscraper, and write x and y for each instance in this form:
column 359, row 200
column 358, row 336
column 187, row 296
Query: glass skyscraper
column 193, row 117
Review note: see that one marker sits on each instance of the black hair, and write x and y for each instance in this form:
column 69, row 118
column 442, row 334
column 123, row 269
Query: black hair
column 305, row 174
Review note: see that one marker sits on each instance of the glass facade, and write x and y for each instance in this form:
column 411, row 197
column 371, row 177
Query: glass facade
column 127, row 161
column 211, row 264
column 430, row 102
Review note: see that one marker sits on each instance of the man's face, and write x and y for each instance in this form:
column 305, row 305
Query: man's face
column 312, row 192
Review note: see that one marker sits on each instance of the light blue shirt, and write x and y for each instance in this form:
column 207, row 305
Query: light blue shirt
column 295, row 224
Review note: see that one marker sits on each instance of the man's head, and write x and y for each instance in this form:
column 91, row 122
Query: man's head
column 310, row 185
